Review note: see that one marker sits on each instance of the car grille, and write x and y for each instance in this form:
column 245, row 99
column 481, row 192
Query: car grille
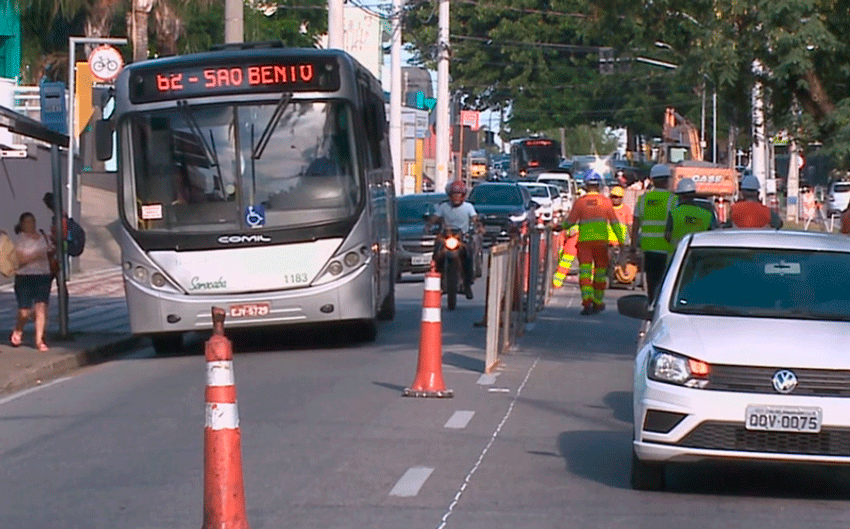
column 810, row 382
column 733, row 436
column 418, row 246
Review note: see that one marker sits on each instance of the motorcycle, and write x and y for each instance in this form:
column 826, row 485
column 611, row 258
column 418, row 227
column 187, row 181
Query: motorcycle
column 449, row 254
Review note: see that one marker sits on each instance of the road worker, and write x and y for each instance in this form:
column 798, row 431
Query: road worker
column 566, row 257
column 749, row 212
column 650, row 219
column 593, row 212
column 688, row 217
column 623, row 212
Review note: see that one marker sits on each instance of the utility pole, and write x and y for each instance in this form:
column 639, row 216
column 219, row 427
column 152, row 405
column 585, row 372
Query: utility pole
column 759, row 154
column 336, row 25
column 442, row 147
column 396, row 146
column 233, row 22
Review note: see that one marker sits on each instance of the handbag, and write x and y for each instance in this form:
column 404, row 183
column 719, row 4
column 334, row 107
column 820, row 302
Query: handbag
column 52, row 258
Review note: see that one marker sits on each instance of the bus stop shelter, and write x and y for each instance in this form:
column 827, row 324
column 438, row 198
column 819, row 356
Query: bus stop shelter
column 25, row 126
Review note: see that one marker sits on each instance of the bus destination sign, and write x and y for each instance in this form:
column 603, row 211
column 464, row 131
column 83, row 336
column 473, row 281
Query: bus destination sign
column 316, row 74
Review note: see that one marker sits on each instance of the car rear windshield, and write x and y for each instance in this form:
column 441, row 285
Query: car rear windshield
column 841, row 188
column 496, row 195
column 794, row 284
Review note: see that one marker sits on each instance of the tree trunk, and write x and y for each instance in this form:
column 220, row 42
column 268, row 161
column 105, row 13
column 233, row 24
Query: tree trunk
column 139, row 28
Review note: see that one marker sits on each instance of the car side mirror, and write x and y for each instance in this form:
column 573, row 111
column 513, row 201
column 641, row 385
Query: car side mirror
column 635, row 306
column 531, row 204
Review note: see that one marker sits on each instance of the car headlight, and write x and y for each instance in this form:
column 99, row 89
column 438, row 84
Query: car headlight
column 519, row 218
column 673, row 368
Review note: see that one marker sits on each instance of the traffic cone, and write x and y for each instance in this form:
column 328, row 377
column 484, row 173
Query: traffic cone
column 224, row 496
column 429, row 368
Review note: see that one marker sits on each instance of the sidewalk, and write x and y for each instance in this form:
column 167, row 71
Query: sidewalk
column 98, row 324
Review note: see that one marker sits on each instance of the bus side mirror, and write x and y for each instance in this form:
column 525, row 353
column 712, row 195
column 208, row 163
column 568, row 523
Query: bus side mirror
column 103, row 139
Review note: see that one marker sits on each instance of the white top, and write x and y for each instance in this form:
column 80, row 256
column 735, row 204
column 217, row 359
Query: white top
column 456, row 217
column 28, row 246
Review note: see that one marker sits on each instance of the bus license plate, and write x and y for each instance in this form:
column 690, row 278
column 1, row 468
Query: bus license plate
column 249, row 310
column 420, row 259
column 783, row 419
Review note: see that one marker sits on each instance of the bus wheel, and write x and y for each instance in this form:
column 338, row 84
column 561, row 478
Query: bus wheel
column 387, row 312
column 164, row 344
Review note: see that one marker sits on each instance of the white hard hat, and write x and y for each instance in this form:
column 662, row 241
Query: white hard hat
column 686, row 185
column 750, row 183
column 660, row 170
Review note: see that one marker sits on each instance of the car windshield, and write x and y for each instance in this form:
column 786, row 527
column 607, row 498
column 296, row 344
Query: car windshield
column 413, row 211
column 795, row 284
column 841, row 188
column 496, row 195
column 538, row 191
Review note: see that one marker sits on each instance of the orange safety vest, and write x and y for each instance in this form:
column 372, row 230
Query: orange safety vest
column 593, row 212
column 750, row 214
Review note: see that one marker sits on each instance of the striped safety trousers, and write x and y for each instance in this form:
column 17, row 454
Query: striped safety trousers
column 592, row 271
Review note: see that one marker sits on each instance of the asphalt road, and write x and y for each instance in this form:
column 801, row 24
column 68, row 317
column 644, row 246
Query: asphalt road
column 329, row 442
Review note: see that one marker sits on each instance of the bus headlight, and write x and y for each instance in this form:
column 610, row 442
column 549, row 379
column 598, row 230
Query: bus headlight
column 351, row 259
column 335, row 268
column 157, row 280
column 140, row 274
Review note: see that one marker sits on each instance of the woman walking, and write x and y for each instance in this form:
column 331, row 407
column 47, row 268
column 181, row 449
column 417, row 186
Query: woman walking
column 32, row 279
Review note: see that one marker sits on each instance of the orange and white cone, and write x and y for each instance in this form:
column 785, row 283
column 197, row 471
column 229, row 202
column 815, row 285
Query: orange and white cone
column 224, row 496
column 429, row 368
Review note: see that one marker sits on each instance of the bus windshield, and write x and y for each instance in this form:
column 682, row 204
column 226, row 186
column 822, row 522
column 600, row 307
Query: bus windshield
column 220, row 167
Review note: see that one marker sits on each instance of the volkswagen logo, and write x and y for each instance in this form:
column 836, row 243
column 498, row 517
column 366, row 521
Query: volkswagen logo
column 784, row 381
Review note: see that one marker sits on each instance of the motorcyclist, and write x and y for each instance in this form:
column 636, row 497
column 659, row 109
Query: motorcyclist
column 459, row 214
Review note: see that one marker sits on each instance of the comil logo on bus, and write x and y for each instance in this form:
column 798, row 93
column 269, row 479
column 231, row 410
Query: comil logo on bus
column 243, row 239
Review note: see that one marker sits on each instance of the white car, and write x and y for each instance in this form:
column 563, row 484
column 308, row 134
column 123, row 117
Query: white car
column 838, row 197
column 744, row 354
column 543, row 195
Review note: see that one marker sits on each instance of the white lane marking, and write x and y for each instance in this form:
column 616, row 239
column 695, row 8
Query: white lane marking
column 20, row 394
column 459, row 420
column 221, row 416
column 499, row 390
column 468, row 477
column 487, row 379
column 409, row 484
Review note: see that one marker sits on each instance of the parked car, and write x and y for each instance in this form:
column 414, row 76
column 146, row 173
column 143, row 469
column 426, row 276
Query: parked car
column 544, row 195
column 837, row 197
column 415, row 245
column 742, row 356
column 504, row 208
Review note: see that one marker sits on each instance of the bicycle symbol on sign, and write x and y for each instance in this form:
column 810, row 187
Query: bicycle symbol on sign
column 102, row 65
column 105, row 62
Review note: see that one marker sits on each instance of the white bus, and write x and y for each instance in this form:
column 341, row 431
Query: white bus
column 254, row 179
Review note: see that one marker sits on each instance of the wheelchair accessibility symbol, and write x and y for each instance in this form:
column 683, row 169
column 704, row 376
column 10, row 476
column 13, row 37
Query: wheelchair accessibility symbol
column 255, row 216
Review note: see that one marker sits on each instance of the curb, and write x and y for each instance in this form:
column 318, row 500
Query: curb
column 60, row 365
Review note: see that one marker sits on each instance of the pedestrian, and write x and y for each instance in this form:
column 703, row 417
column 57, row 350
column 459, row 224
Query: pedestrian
column 33, row 279
column 688, row 217
column 749, row 212
column 650, row 219
column 593, row 213
column 623, row 212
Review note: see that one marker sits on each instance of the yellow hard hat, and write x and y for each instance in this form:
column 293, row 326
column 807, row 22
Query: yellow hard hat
column 617, row 191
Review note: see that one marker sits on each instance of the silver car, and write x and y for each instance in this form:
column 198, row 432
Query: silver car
column 745, row 354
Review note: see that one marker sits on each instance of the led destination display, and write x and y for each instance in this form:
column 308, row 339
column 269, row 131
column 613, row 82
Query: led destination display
column 289, row 74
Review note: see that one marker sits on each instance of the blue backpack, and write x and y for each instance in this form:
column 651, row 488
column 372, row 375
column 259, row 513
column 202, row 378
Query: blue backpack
column 76, row 238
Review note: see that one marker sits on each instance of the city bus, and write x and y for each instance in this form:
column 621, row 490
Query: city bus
column 258, row 180
column 530, row 156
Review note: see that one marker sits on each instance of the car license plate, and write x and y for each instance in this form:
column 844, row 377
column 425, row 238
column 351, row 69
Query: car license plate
column 423, row 259
column 783, row 419
column 249, row 310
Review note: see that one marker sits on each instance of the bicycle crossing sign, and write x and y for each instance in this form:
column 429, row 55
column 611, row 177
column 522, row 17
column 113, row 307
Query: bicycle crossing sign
column 105, row 62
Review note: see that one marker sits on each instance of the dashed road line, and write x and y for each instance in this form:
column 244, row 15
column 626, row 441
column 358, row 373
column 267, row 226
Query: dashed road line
column 409, row 484
column 459, row 420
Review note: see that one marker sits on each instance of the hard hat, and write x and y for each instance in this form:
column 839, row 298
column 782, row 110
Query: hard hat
column 617, row 191
column 626, row 274
column 592, row 178
column 686, row 185
column 456, row 186
column 750, row 183
column 660, row 170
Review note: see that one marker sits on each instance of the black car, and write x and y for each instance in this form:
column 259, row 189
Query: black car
column 415, row 246
column 505, row 209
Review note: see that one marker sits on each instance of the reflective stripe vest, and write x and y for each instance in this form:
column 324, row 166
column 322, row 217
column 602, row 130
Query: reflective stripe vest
column 653, row 208
column 624, row 213
column 688, row 218
column 592, row 212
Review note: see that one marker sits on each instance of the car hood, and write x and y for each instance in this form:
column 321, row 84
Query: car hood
column 498, row 209
column 410, row 231
column 756, row 341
